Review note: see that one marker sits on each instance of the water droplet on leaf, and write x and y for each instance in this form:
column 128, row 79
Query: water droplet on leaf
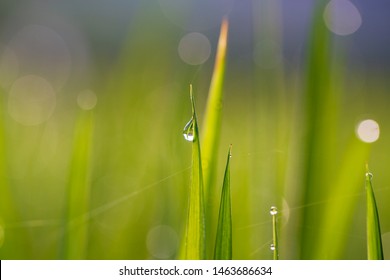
column 273, row 211
column 188, row 131
column 272, row 247
column 369, row 175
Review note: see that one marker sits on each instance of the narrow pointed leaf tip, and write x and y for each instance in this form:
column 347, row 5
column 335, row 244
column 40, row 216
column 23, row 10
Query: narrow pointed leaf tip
column 374, row 239
column 223, row 243
column 213, row 115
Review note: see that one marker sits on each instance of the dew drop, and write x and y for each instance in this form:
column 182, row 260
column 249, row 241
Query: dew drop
column 272, row 247
column 188, row 131
column 189, row 136
column 273, row 211
column 369, row 175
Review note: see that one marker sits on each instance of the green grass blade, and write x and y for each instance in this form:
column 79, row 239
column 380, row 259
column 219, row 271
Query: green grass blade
column 275, row 240
column 213, row 113
column 223, row 243
column 195, row 231
column 76, row 229
column 374, row 240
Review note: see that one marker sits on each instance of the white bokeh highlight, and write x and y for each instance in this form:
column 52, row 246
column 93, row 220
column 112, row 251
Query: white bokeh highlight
column 162, row 242
column 31, row 100
column 368, row 131
column 194, row 48
column 342, row 17
column 87, row 99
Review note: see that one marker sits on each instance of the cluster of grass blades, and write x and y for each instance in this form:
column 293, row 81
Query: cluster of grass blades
column 318, row 178
column 201, row 202
column 195, row 236
column 202, row 192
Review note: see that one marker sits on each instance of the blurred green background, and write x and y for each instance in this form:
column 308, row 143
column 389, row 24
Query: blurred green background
column 95, row 94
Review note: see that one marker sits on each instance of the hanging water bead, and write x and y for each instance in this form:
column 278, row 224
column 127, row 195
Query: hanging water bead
column 188, row 131
column 272, row 247
column 369, row 175
column 189, row 136
column 273, row 211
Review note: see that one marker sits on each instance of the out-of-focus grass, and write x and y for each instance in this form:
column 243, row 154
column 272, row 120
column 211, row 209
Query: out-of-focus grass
column 141, row 167
column 321, row 113
column 17, row 244
column 75, row 236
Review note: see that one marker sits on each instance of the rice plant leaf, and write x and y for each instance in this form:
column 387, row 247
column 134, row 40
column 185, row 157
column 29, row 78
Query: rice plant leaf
column 374, row 240
column 78, row 196
column 213, row 113
column 223, row 243
column 195, row 230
